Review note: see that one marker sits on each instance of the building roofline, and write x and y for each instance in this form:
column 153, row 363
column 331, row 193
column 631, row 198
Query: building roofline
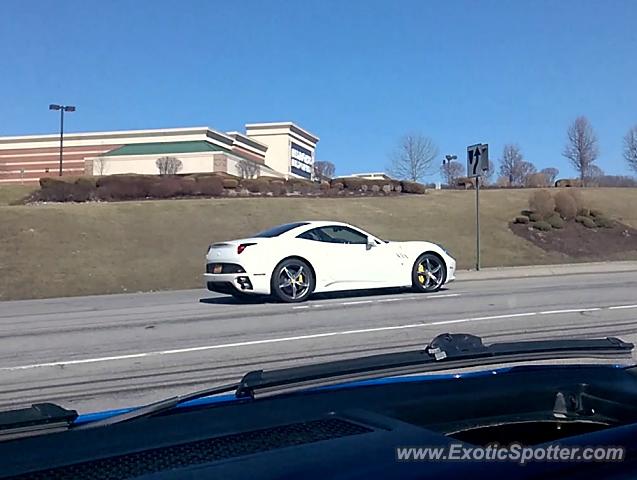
column 248, row 140
column 111, row 133
column 291, row 125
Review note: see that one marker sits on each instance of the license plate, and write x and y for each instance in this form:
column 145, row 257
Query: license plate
column 217, row 269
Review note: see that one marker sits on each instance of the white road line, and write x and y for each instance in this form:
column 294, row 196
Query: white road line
column 357, row 303
column 572, row 310
column 388, row 300
column 300, row 307
column 63, row 363
column 479, row 319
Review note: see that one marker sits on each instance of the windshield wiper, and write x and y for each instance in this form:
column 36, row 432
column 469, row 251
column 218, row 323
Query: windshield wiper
column 158, row 407
column 446, row 351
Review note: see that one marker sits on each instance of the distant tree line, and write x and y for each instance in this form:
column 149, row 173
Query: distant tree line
column 415, row 157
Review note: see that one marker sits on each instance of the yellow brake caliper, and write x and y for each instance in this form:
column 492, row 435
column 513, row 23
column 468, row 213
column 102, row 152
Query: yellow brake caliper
column 421, row 271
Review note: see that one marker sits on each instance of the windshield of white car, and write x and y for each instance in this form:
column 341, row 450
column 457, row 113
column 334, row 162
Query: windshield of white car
column 279, row 229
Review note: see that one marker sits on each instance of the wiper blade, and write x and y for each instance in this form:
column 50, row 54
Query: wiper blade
column 38, row 419
column 157, row 408
column 446, row 351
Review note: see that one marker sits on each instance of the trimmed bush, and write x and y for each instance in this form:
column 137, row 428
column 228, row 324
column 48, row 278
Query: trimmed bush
column 256, row 185
column 124, row 187
column 535, row 217
column 363, row 187
column 210, row 186
column 596, row 213
column 522, row 219
column 556, row 221
column 375, row 188
column 189, row 186
column 565, row 205
column 603, row 222
column 387, row 189
column 337, row 186
column 413, row 187
column 588, row 222
column 542, row 226
column 580, row 218
column 165, row 187
column 398, row 188
column 230, row 183
column 278, row 188
column 542, row 203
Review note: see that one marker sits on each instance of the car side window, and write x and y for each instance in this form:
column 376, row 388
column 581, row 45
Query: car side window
column 313, row 234
column 339, row 234
column 335, row 234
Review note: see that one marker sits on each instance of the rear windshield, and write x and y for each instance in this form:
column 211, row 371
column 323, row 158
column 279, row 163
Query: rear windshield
column 279, row 229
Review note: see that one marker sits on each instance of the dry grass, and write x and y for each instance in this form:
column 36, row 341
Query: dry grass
column 77, row 249
column 13, row 193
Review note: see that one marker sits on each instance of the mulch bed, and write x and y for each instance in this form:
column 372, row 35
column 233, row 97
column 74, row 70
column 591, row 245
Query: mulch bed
column 578, row 241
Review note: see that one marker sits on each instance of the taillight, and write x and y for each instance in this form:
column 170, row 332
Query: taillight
column 242, row 247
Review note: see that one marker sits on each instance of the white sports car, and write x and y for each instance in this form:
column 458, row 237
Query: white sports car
column 292, row 261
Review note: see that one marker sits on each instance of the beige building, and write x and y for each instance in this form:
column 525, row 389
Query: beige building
column 268, row 149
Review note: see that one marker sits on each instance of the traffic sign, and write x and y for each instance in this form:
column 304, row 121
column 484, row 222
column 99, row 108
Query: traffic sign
column 477, row 159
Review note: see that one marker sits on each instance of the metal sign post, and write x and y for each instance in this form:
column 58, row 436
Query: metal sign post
column 477, row 162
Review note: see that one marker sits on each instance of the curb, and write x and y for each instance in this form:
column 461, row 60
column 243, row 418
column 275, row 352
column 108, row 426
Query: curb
column 496, row 273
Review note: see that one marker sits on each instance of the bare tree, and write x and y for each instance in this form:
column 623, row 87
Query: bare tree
column 413, row 158
column 514, row 167
column 551, row 174
column 99, row 166
column 168, row 165
column 487, row 175
column 247, row 169
column 451, row 171
column 630, row 148
column 594, row 173
column 324, row 170
column 581, row 147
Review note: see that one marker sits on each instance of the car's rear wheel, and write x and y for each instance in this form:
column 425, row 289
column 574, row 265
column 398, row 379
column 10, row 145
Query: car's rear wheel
column 292, row 281
column 428, row 273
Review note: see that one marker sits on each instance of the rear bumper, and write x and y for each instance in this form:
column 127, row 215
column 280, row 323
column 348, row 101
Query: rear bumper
column 229, row 283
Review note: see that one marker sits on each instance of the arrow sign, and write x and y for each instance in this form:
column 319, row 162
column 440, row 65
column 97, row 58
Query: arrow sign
column 477, row 159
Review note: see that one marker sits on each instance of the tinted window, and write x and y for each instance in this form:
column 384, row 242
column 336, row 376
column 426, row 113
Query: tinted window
column 279, row 229
column 335, row 234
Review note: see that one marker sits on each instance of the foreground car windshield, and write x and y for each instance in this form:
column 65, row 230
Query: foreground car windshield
column 280, row 229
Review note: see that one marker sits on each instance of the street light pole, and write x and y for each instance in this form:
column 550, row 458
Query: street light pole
column 62, row 109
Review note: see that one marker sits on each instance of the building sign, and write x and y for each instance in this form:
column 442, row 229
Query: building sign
column 301, row 161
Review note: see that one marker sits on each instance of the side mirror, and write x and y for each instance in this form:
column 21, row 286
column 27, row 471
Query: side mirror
column 370, row 243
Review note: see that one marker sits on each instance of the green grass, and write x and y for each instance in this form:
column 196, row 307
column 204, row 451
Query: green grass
column 78, row 249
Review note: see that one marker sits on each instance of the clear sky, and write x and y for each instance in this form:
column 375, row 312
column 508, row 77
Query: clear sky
column 357, row 73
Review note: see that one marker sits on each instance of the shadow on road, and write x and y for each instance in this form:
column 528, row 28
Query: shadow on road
column 261, row 300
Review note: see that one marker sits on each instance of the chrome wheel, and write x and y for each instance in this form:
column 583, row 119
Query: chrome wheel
column 292, row 281
column 429, row 273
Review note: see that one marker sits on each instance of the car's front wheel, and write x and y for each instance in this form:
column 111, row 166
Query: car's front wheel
column 292, row 281
column 428, row 273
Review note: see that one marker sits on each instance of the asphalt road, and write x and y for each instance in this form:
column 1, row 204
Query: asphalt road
column 103, row 352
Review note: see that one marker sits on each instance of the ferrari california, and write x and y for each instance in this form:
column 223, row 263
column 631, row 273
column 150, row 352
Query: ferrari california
column 294, row 260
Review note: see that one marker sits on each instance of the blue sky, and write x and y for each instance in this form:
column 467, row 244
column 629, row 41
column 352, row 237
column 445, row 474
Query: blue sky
column 359, row 74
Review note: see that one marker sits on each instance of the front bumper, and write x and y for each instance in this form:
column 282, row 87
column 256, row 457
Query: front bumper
column 451, row 269
column 237, row 282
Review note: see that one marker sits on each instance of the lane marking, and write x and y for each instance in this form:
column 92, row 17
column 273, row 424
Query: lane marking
column 480, row 319
column 63, row 363
column 621, row 307
column 382, row 300
column 571, row 310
